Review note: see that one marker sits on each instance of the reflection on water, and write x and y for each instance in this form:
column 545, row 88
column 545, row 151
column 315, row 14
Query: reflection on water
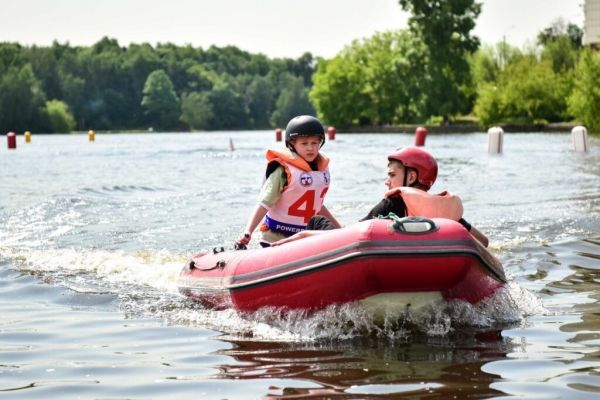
column 368, row 367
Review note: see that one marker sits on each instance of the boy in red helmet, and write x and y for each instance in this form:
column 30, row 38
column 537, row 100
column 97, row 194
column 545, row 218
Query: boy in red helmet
column 411, row 173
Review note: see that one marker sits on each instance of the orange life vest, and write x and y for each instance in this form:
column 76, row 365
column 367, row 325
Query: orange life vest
column 303, row 195
column 423, row 204
column 294, row 159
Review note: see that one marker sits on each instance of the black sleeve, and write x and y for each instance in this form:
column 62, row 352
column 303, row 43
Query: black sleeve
column 271, row 167
column 385, row 206
column 319, row 223
column 465, row 224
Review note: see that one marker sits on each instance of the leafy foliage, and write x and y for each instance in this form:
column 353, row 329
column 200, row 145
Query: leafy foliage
column 433, row 71
column 559, row 29
column 530, row 87
column 374, row 81
column 21, row 99
column 103, row 86
column 530, row 91
column 445, row 28
column 489, row 107
column 60, row 119
column 292, row 101
column 160, row 100
column 584, row 101
column 527, row 91
column 197, row 110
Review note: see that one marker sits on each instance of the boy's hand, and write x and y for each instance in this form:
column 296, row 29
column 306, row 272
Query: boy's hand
column 243, row 239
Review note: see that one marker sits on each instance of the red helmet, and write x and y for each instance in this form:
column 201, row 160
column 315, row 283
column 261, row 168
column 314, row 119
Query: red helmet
column 422, row 161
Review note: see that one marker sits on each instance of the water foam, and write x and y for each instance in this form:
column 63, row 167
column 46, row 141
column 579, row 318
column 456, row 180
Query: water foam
column 146, row 284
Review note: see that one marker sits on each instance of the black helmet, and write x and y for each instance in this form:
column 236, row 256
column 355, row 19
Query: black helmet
column 303, row 125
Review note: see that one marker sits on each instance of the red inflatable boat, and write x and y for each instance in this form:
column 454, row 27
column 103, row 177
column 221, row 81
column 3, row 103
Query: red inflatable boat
column 381, row 263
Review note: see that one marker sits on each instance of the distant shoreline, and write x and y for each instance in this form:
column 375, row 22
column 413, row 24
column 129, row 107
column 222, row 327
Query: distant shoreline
column 459, row 128
column 433, row 129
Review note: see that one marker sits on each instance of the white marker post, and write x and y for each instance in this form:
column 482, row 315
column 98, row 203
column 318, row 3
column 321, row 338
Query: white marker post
column 495, row 139
column 579, row 136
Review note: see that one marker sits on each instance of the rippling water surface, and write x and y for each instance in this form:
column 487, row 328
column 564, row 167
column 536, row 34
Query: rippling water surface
column 94, row 234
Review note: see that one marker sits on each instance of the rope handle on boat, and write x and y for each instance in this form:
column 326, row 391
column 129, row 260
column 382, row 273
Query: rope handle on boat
column 390, row 216
column 414, row 225
column 218, row 264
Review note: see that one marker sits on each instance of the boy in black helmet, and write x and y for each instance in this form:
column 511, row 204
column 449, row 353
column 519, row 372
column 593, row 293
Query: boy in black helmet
column 296, row 182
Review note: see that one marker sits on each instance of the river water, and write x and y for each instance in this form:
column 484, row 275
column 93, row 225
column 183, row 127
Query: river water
column 94, row 234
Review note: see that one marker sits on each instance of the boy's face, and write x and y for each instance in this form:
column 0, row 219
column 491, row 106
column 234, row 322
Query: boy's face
column 307, row 147
column 395, row 175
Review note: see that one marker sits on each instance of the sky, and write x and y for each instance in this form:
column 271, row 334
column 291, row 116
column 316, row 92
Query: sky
column 276, row 28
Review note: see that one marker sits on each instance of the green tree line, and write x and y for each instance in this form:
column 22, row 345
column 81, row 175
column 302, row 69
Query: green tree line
column 106, row 86
column 435, row 71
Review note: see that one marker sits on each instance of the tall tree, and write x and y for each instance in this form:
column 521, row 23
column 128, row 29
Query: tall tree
column 138, row 62
column 228, row 106
column 100, row 68
column 527, row 91
column 11, row 55
column 338, row 91
column 445, row 27
column 160, row 100
column 292, row 101
column 561, row 43
column 560, row 28
column 21, row 100
column 259, row 98
column 45, row 68
column 373, row 81
column 584, row 101
column 197, row 110
column 532, row 92
column 60, row 119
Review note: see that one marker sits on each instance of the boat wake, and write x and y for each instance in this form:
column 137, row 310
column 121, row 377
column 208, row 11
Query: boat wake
column 509, row 306
column 144, row 285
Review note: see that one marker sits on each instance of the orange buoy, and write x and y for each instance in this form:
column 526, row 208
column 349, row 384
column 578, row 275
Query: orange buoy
column 331, row 133
column 27, row 136
column 278, row 135
column 420, row 135
column 11, row 137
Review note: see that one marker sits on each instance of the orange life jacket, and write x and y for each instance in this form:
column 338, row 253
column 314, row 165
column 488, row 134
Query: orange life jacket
column 292, row 158
column 423, row 204
column 303, row 195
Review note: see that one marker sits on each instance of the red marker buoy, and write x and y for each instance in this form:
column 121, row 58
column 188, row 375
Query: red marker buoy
column 420, row 135
column 11, row 137
column 278, row 135
column 331, row 133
